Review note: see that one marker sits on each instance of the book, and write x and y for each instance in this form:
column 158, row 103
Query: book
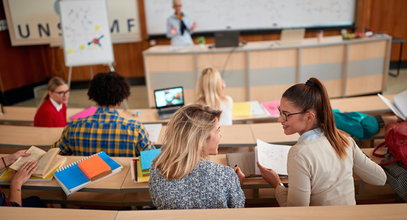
column 85, row 113
column 272, row 156
column 244, row 160
column 147, row 157
column 8, row 173
column 272, row 108
column 399, row 107
column 248, row 109
column 140, row 177
column 94, row 167
column 47, row 161
column 71, row 178
column 242, row 109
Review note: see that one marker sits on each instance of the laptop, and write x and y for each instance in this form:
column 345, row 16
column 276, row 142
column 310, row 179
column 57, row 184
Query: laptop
column 168, row 101
column 227, row 39
column 291, row 37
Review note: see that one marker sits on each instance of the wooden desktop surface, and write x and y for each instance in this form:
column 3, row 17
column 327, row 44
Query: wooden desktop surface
column 364, row 104
column 357, row 212
column 8, row 213
column 111, row 184
column 11, row 135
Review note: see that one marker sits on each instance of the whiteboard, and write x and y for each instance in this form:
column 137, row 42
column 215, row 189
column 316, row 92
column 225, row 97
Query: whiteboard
column 212, row 15
column 85, row 32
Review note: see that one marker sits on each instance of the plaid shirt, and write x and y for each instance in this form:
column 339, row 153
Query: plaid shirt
column 104, row 131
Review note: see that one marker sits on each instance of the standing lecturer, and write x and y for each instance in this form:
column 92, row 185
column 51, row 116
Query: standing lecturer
column 179, row 26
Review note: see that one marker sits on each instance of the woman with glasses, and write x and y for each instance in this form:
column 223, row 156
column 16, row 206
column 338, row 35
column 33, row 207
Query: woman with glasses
column 322, row 163
column 181, row 176
column 52, row 110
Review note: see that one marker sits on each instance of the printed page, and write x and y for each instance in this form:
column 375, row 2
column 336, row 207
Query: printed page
column 395, row 110
column 36, row 154
column 272, row 156
column 153, row 131
column 45, row 161
column 400, row 101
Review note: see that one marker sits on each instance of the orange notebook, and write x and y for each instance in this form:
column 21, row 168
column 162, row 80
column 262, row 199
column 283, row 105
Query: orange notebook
column 94, row 167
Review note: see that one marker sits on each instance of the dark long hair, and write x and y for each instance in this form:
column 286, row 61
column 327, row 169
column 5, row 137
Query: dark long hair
column 313, row 96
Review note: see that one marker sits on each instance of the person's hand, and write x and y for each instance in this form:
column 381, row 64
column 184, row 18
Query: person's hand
column 14, row 156
column 269, row 175
column 239, row 174
column 174, row 31
column 23, row 174
column 193, row 27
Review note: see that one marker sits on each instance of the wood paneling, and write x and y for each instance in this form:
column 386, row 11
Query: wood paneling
column 25, row 65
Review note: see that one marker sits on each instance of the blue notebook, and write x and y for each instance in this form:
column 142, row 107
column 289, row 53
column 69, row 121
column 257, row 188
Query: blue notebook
column 147, row 157
column 71, row 178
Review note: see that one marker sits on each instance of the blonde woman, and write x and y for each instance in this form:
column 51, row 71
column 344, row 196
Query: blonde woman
column 181, row 177
column 210, row 88
column 52, row 110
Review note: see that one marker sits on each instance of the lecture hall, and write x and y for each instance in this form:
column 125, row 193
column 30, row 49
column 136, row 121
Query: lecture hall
column 123, row 109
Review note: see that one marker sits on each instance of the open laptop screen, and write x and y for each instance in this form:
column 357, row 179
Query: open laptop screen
column 169, row 97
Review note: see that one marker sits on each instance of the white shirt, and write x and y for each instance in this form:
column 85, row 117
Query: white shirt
column 56, row 104
column 318, row 177
column 178, row 39
column 226, row 107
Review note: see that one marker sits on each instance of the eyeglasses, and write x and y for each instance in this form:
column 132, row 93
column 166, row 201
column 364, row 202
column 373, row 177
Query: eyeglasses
column 285, row 114
column 63, row 92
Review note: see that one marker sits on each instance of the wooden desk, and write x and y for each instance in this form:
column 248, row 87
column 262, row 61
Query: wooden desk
column 273, row 133
column 11, row 135
column 25, row 116
column 365, row 104
column 54, row 213
column 264, row 70
column 387, row 211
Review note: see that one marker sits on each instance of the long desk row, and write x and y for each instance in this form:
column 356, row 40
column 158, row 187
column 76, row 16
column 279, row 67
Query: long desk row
column 115, row 189
column 366, row 104
column 243, row 135
column 386, row 211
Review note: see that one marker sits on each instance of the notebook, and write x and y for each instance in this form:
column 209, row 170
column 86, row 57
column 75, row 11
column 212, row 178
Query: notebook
column 85, row 113
column 168, row 100
column 272, row 156
column 71, row 178
column 227, row 39
column 399, row 105
column 147, row 157
column 291, row 37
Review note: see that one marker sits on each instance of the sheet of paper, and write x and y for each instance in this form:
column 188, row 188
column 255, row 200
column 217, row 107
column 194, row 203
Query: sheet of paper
column 153, row 131
column 272, row 156
column 257, row 109
column 400, row 101
column 392, row 107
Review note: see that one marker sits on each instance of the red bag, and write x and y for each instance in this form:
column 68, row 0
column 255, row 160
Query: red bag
column 396, row 142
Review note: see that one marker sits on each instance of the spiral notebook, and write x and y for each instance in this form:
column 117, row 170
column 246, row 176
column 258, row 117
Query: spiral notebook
column 71, row 178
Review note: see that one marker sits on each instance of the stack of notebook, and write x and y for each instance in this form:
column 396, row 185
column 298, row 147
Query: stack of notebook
column 82, row 173
column 140, row 166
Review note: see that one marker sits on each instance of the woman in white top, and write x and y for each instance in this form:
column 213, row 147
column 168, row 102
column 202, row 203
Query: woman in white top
column 210, row 88
column 322, row 163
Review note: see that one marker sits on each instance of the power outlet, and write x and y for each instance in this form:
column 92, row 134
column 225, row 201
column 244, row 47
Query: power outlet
column 3, row 25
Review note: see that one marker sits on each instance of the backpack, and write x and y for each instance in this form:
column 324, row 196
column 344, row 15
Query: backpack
column 396, row 142
column 358, row 125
